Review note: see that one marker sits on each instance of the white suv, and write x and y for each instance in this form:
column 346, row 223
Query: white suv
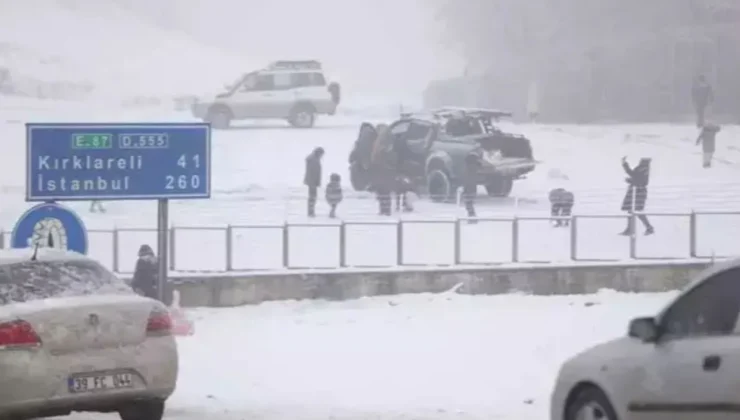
column 292, row 90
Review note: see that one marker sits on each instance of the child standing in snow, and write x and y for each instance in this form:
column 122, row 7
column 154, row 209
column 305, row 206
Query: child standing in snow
column 334, row 194
column 561, row 206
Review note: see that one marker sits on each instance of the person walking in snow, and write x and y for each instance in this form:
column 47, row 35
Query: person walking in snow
column 707, row 138
column 96, row 205
column 312, row 178
column 334, row 194
column 470, row 184
column 561, row 206
column 635, row 198
column 146, row 276
column 702, row 96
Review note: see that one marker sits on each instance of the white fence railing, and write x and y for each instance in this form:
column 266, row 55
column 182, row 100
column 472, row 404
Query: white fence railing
column 443, row 242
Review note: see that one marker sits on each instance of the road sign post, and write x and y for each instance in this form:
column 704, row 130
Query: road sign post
column 129, row 161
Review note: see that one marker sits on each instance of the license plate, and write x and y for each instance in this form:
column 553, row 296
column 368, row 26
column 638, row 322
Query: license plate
column 90, row 383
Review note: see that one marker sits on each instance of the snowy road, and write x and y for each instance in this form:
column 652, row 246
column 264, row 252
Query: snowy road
column 443, row 356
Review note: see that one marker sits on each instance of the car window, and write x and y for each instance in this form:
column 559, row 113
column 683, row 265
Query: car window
column 417, row 137
column 263, row 82
column 34, row 280
column 249, row 82
column 400, row 128
column 307, row 79
column 282, row 81
column 711, row 308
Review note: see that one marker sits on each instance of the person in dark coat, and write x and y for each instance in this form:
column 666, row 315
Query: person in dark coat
column 146, row 276
column 383, row 169
column 470, row 184
column 561, row 205
column 635, row 198
column 312, row 178
column 707, row 138
column 702, row 96
column 334, row 194
column 403, row 187
column 384, row 185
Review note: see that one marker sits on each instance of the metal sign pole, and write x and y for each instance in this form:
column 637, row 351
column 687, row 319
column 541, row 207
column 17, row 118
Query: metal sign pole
column 162, row 227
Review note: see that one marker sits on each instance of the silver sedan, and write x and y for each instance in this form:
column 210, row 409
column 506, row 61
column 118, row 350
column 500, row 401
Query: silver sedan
column 74, row 337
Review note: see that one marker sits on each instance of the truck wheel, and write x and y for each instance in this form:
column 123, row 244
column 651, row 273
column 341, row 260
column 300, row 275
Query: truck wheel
column 219, row 118
column 302, row 116
column 499, row 187
column 359, row 177
column 439, row 186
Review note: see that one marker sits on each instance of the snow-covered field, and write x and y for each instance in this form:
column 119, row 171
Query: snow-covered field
column 258, row 181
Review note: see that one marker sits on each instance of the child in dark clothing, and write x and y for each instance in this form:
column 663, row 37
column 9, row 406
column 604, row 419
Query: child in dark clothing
column 707, row 138
column 561, row 205
column 334, row 193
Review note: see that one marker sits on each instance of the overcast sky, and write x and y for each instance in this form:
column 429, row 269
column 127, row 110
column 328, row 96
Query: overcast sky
column 380, row 46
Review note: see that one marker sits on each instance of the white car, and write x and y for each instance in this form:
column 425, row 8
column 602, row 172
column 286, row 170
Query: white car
column 682, row 364
column 74, row 337
column 293, row 90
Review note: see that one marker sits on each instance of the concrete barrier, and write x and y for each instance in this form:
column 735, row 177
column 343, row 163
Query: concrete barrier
column 342, row 284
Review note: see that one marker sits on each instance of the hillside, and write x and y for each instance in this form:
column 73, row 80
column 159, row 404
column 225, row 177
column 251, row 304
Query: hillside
column 75, row 49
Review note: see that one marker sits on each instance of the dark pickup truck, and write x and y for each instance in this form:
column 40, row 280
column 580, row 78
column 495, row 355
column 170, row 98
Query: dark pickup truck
column 430, row 149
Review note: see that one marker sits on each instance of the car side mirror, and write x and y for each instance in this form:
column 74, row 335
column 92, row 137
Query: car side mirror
column 645, row 329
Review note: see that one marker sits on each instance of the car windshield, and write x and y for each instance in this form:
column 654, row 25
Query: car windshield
column 34, row 280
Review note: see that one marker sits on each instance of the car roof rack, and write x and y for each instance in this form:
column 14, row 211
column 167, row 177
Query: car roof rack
column 461, row 112
column 447, row 113
column 295, row 65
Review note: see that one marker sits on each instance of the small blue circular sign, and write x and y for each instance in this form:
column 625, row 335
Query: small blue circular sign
column 50, row 225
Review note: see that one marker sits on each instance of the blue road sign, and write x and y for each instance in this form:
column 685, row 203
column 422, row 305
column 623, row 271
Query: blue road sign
column 50, row 225
column 118, row 161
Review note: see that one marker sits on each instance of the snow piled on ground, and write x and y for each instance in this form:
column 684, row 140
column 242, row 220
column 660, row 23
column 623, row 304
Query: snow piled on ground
column 77, row 49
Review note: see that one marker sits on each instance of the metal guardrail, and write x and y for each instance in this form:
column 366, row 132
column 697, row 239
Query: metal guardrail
column 409, row 242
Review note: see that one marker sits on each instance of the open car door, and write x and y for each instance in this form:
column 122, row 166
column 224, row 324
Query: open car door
column 361, row 156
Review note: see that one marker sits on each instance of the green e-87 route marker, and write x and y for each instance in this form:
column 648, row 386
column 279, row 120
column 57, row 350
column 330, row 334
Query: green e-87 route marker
column 92, row 141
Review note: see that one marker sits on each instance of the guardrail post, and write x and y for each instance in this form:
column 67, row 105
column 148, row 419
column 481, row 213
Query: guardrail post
column 458, row 240
column 286, row 239
column 515, row 239
column 399, row 242
column 229, row 248
column 574, row 238
column 342, row 245
column 115, row 261
column 172, row 248
column 692, row 234
column 633, row 236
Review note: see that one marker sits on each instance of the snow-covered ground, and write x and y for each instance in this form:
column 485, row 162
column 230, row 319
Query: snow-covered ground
column 420, row 357
column 258, row 181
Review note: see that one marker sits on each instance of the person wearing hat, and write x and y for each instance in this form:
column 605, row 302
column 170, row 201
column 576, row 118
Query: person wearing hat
column 312, row 178
column 334, row 194
column 635, row 198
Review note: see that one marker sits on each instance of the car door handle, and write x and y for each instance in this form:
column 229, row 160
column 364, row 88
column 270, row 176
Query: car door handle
column 711, row 363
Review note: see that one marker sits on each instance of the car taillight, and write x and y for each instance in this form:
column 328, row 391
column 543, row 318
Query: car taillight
column 18, row 334
column 159, row 323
